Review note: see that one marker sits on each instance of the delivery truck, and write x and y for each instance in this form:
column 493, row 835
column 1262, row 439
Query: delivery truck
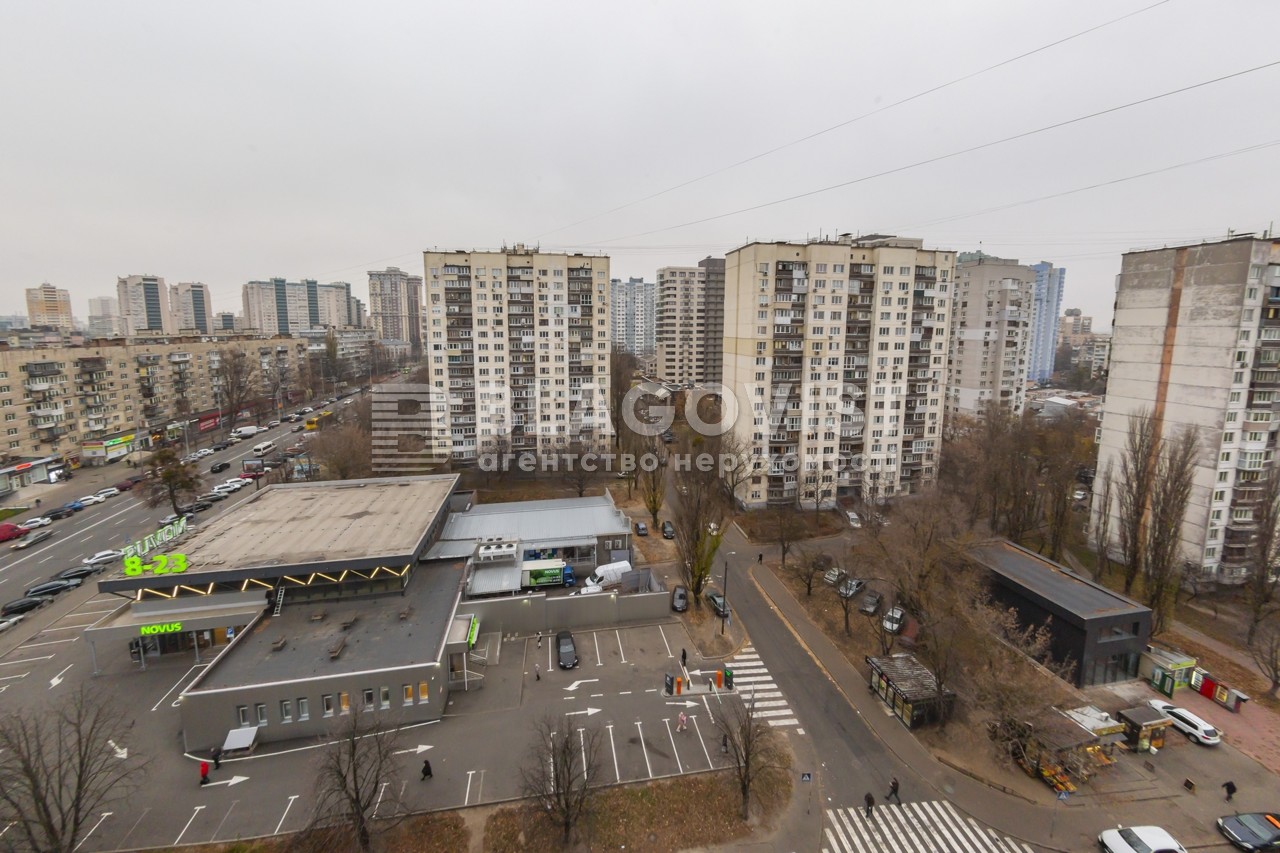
column 539, row 573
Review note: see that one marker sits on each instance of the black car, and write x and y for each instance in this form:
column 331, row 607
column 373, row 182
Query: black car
column 23, row 605
column 221, row 445
column 668, row 530
column 871, row 603
column 51, row 588
column 60, row 512
column 680, row 599
column 642, row 529
column 219, row 466
column 567, row 650
column 1252, row 830
column 718, row 603
column 194, row 506
column 77, row 573
column 34, row 538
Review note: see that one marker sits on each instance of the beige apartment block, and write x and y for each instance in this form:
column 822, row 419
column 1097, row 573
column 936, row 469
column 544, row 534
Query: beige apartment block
column 836, row 353
column 93, row 404
column 689, row 325
column 192, row 307
column 49, row 306
column 991, row 327
column 395, row 306
column 144, row 305
column 1196, row 342
column 520, row 340
column 1074, row 327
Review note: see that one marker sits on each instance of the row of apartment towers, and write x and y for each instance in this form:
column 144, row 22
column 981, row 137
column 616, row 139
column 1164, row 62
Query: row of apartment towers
column 836, row 353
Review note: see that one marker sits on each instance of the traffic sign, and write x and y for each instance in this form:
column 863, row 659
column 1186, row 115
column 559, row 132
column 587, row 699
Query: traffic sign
column 806, row 777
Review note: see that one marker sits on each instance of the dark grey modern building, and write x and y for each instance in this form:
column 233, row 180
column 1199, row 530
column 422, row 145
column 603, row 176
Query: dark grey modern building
column 1101, row 631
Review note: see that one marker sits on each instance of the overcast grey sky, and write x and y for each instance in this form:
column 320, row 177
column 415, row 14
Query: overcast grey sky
column 233, row 141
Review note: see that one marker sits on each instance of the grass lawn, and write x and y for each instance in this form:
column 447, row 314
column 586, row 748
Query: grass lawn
column 434, row 832
column 758, row 527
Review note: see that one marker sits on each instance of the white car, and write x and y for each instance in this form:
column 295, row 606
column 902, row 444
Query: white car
column 203, row 452
column 102, row 558
column 1196, row 729
column 894, row 620
column 171, row 518
column 854, row 521
column 89, row 500
column 1139, row 839
column 108, row 492
column 234, row 439
column 9, row 621
column 38, row 521
column 272, row 424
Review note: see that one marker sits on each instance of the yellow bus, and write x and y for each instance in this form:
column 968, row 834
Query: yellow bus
column 319, row 420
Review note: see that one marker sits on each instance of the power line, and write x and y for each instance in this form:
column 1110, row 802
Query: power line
column 855, row 119
column 939, row 158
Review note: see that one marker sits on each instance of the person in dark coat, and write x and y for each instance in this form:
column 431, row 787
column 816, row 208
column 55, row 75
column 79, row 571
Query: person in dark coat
column 426, row 769
column 1230, row 788
column 216, row 755
column 893, row 791
column 871, row 803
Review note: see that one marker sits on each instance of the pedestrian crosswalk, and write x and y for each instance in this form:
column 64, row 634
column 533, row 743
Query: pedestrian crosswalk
column 925, row 827
column 755, row 685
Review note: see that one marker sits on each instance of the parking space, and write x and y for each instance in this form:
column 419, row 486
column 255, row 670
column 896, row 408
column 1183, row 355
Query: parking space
column 43, row 661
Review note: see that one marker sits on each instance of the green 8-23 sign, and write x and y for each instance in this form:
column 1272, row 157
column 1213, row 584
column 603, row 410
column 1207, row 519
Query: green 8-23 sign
column 163, row 564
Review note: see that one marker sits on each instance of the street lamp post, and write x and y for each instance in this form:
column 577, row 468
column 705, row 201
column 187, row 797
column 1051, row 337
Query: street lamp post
column 725, row 618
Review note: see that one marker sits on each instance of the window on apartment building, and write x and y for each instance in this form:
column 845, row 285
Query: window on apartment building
column 1228, row 437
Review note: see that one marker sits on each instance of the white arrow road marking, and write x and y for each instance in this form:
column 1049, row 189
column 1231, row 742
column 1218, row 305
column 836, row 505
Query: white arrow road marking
column 588, row 712
column 644, row 749
column 234, row 780
column 580, row 682
column 120, row 753
column 57, row 679
column 188, row 826
column 685, row 704
column 286, row 813
column 614, row 749
column 417, row 750
column 105, row 815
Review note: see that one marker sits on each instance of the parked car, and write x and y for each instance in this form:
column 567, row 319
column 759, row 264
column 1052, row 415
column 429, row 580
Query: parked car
column 194, row 506
column 60, row 512
column 1079, row 495
column 718, row 603
column 272, row 424
column 642, row 529
column 12, row 531
column 38, row 521
column 102, row 558
column 221, row 445
column 668, row 530
column 74, row 506
column 126, row 485
column 171, row 518
column 212, row 496
column 34, row 539
column 90, row 500
column 833, row 575
column 566, row 650
column 306, row 410
column 679, row 599
column 234, row 439
column 77, row 573
column 1196, row 729
column 219, row 467
column 854, row 521
column 1252, row 830
column 51, row 588
column 250, row 475
column 204, row 451
column 297, row 428
column 870, row 603
column 850, row 587
column 23, row 605
column 894, row 620
column 8, row 622
column 108, row 492
column 1139, row 839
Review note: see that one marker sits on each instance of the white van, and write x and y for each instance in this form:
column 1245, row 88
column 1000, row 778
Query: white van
column 246, row 431
column 264, row 448
column 609, row 574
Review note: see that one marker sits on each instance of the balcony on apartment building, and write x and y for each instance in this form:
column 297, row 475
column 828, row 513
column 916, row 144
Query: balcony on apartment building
column 51, row 432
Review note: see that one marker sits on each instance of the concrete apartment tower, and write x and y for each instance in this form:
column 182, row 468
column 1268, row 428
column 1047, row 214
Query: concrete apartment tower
column 49, row 306
column 1050, row 282
column 104, row 318
column 520, row 341
column 192, row 306
column 1196, row 342
column 395, row 307
column 1074, row 328
column 690, row 322
column 836, row 349
column 144, row 304
column 633, row 315
column 990, row 334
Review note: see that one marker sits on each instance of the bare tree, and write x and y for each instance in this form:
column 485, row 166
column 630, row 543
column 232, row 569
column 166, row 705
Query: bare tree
column 235, row 380
column 1265, row 650
column 1134, row 487
column 652, row 479
column 810, row 566
column 1170, row 493
column 357, row 760
column 171, row 480
column 581, row 465
column 60, row 766
column 345, row 451
column 562, row 764
column 699, row 522
column 753, row 745
column 277, row 379
column 737, row 460
column 1264, row 576
column 785, row 529
column 1065, row 445
column 848, row 603
column 1102, row 522
column 622, row 371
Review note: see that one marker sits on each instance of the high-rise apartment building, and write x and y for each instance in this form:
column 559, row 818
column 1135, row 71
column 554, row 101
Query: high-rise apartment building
column 1050, row 282
column 192, row 306
column 990, row 334
column 289, row 307
column 49, row 306
column 633, row 315
column 144, row 304
column 104, row 318
column 689, row 324
column 836, row 352
column 1196, row 344
column 520, row 340
column 1074, row 328
column 395, row 307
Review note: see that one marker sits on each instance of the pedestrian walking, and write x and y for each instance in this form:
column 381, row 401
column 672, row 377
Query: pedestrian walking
column 684, row 659
column 682, row 721
column 760, row 558
column 724, row 744
column 37, row 503
column 1230, row 788
column 871, row 803
column 539, row 639
column 893, row 791
column 426, row 769
column 537, row 672
column 204, row 773
column 216, row 755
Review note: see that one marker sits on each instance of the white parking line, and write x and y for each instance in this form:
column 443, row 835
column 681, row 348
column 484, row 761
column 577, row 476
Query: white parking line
column 66, row 628
column 620, row 651
column 644, row 749
column 188, row 826
column 614, row 749
column 703, row 742
column 234, row 803
column 675, row 750
column 596, row 638
column 292, row 797
column 664, row 641
column 50, row 643
column 181, row 680
column 24, row 660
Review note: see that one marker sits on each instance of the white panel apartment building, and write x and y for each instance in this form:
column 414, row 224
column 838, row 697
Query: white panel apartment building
column 837, row 350
column 520, row 340
column 192, row 306
column 1196, row 342
column 991, row 328
column 633, row 315
column 690, row 322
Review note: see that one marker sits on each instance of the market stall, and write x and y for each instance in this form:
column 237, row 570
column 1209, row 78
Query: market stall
column 1144, row 728
column 909, row 689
